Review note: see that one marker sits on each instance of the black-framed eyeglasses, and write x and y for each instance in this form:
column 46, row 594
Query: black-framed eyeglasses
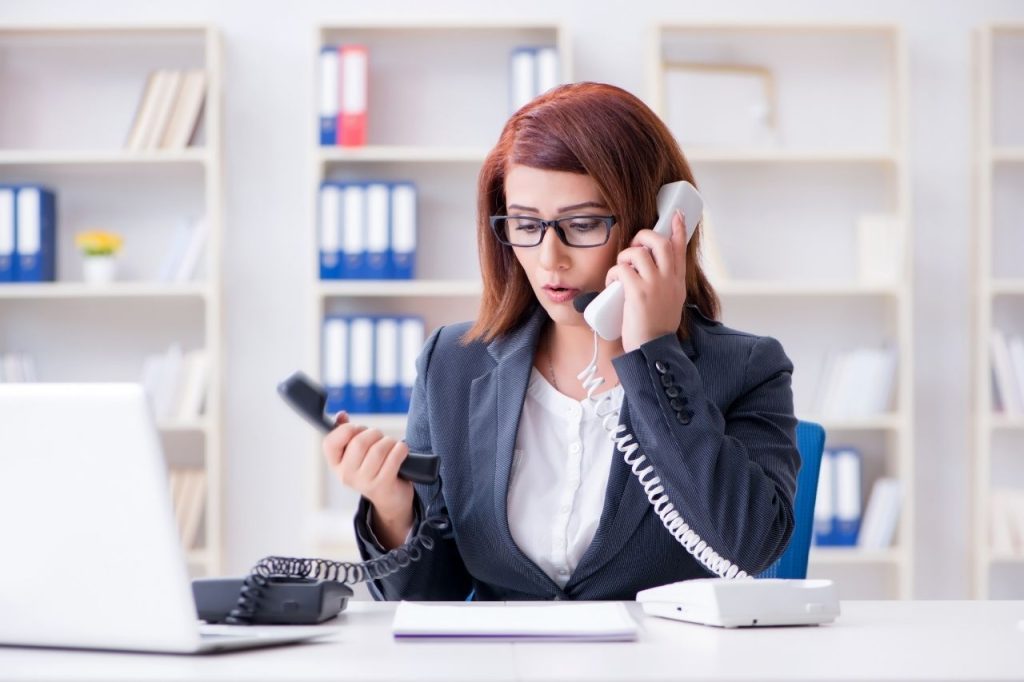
column 581, row 232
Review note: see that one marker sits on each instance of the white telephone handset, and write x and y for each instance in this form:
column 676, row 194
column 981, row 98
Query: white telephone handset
column 604, row 314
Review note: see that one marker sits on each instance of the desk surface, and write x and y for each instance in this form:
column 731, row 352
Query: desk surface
column 876, row 640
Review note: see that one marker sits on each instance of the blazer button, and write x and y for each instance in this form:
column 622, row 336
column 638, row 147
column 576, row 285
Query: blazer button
column 683, row 418
column 667, row 380
column 660, row 367
column 676, row 404
column 672, row 391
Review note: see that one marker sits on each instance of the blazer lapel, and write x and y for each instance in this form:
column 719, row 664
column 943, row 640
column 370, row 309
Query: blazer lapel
column 496, row 403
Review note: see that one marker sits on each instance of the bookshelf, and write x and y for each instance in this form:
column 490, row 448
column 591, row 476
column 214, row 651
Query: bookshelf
column 998, row 566
column 80, row 332
column 456, row 78
column 815, row 140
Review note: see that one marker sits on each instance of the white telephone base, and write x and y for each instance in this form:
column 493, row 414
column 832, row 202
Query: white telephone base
column 744, row 603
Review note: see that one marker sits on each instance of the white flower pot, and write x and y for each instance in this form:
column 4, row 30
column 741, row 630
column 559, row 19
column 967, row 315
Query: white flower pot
column 99, row 269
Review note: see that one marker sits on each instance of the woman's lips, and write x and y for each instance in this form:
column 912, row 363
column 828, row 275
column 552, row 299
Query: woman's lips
column 561, row 295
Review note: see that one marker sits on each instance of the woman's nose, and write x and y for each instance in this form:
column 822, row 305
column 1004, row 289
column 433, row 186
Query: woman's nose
column 552, row 251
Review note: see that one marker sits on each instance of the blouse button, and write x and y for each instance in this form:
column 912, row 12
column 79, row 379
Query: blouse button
column 660, row 367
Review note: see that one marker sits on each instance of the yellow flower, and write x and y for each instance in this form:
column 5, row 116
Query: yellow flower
column 98, row 242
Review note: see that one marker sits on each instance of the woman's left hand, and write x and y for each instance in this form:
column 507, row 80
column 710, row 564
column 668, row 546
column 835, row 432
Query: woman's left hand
column 653, row 275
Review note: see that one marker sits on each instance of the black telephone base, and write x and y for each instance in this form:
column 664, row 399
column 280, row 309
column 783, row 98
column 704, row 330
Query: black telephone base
column 285, row 601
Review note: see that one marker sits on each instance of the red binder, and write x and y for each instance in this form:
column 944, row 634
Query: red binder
column 353, row 72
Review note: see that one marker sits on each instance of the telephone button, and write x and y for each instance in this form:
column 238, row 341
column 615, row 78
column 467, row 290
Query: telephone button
column 660, row 367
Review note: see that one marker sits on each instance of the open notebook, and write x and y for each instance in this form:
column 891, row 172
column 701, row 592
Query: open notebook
column 588, row 622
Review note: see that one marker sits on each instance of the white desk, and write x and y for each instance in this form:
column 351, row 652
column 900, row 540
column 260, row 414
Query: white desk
column 951, row 640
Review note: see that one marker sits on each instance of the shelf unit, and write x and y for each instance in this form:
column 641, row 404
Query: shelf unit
column 78, row 332
column 998, row 291
column 784, row 204
column 438, row 98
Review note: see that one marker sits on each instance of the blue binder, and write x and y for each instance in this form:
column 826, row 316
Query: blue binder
column 386, row 375
column 336, row 363
column 331, row 264
column 411, row 339
column 353, row 231
column 8, row 235
column 403, row 230
column 329, row 95
column 361, row 365
column 35, row 228
column 378, row 238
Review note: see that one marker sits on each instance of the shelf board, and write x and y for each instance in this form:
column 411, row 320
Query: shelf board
column 173, row 426
column 1006, row 557
column 754, row 155
column 883, row 422
column 854, row 555
column 1007, row 287
column 112, row 157
column 423, row 288
column 1008, row 154
column 753, row 288
column 403, row 154
column 1007, row 421
column 80, row 290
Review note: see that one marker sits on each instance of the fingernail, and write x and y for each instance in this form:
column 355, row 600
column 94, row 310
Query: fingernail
column 680, row 214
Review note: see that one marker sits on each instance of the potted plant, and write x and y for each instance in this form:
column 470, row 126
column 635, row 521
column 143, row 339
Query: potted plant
column 99, row 255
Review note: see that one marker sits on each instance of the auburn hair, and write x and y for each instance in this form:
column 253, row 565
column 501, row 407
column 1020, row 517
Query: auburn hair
column 591, row 128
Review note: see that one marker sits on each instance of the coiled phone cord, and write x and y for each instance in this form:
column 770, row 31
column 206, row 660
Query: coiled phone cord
column 663, row 507
column 324, row 569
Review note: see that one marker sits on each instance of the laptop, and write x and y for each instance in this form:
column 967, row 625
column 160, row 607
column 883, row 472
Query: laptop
column 92, row 556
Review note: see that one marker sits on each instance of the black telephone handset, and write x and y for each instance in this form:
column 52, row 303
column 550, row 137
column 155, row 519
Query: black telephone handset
column 293, row 591
column 310, row 400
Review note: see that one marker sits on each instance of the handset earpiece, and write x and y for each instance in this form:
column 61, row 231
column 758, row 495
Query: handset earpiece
column 604, row 313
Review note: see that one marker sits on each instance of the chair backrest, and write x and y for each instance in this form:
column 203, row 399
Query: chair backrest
column 810, row 441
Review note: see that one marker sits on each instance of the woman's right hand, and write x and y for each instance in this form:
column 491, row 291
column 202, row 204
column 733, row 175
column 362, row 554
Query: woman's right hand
column 367, row 461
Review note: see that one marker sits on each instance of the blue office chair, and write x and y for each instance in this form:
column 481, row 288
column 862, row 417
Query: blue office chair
column 810, row 441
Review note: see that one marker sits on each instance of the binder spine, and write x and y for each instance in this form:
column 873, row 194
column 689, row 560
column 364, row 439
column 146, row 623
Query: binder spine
column 410, row 344
column 377, row 232
column 329, row 76
column 386, row 366
column 522, row 77
column 403, row 230
column 336, row 362
column 331, row 263
column 8, row 236
column 848, row 504
column 353, row 65
column 35, row 218
column 361, row 365
column 353, row 231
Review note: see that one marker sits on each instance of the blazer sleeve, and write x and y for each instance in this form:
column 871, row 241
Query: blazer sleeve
column 440, row 574
column 732, row 476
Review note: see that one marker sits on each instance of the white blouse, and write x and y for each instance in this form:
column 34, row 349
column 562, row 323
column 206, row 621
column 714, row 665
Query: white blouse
column 559, row 475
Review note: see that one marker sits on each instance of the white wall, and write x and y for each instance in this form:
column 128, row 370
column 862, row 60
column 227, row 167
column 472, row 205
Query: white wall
column 268, row 84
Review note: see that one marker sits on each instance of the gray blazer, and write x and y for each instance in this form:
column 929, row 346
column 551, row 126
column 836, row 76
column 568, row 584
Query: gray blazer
column 713, row 415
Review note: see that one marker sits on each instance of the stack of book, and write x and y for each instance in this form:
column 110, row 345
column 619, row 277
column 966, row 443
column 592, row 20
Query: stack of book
column 1007, row 354
column 344, row 71
column 533, row 70
column 369, row 363
column 857, row 383
column 28, row 234
column 367, row 230
column 838, row 517
column 176, row 383
column 17, row 368
column 188, row 490
column 168, row 112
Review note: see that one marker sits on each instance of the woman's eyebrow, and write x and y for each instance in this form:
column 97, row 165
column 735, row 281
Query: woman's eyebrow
column 585, row 204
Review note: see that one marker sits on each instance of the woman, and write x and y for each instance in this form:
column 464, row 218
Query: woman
column 542, row 506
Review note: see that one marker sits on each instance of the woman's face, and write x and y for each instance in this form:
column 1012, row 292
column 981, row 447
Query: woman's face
column 557, row 272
